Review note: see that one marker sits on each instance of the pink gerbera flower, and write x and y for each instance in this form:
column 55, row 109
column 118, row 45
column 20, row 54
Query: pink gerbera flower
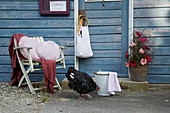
column 143, row 61
column 130, row 45
column 141, row 51
column 134, row 44
column 127, row 64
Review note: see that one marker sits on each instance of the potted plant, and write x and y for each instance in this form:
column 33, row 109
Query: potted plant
column 138, row 56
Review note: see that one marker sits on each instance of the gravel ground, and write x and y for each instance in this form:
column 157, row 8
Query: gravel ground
column 20, row 100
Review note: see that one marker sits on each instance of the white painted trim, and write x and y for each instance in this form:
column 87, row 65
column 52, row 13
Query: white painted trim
column 130, row 25
column 100, row 0
column 76, row 63
column 130, row 20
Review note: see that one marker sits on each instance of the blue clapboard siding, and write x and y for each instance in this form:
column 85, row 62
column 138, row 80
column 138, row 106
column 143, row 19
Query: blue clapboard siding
column 22, row 16
column 154, row 16
column 105, row 28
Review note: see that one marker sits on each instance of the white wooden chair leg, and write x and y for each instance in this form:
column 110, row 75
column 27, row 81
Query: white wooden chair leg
column 29, row 84
column 20, row 82
column 59, row 87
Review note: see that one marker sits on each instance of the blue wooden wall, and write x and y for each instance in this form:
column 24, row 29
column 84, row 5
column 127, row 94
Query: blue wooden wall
column 108, row 30
column 22, row 16
column 154, row 15
column 108, row 33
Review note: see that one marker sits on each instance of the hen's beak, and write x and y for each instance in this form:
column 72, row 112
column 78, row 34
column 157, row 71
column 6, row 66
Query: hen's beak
column 97, row 88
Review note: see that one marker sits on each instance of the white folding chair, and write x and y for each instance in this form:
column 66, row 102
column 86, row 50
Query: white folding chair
column 32, row 64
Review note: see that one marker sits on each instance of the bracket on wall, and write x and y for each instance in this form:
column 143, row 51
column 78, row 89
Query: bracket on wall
column 82, row 12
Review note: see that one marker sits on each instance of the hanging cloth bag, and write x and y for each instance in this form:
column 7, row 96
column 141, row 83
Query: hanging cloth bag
column 83, row 49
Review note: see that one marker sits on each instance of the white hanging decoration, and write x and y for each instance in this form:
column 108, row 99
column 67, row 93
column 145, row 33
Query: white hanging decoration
column 83, row 49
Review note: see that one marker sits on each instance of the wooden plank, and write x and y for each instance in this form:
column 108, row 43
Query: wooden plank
column 151, row 3
column 31, row 15
column 65, row 32
column 6, row 77
column 152, row 12
column 4, row 51
column 8, row 69
column 156, row 31
column 67, row 51
column 161, row 41
column 5, row 60
column 106, row 21
column 106, row 46
column 99, row 5
column 158, row 79
column 158, row 69
column 19, row 5
column 36, row 24
column 125, row 34
column 107, row 53
column 24, row 5
column 4, row 42
column 162, row 51
column 151, row 22
column 106, row 38
column 161, row 60
column 105, row 30
column 108, row 67
column 102, row 61
column 103, row 13
column 60, row 41
column 118, row 74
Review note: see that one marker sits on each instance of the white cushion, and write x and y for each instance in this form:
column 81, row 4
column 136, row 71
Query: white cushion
column 48, row 50
column 29, row 42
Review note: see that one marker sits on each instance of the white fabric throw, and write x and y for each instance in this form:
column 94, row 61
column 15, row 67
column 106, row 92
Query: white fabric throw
column 113, row 83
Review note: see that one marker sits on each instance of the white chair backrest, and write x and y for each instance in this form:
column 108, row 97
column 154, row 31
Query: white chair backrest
column 39, row 39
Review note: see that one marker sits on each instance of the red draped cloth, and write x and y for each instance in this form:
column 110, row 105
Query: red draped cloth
column 49, row 66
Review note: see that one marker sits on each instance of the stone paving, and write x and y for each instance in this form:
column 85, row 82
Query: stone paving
column 20, row 100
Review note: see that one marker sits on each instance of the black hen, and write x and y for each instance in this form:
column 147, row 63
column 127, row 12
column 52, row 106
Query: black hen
column 80, row 82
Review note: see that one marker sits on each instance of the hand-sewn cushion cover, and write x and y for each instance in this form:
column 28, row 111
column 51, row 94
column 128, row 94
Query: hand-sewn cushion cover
column 29, row 42
column 48, row 50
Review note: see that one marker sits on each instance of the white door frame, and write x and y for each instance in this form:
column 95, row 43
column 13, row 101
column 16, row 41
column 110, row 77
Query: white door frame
column 76, row 63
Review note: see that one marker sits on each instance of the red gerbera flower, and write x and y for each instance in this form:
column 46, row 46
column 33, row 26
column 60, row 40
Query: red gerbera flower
column 137, row 32
column 126, row 55
column 146, row 47
column 143, row 40
column 133, row 63
column 148, row 58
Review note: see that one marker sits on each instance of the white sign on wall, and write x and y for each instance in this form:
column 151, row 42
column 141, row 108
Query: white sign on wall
column 57, row 5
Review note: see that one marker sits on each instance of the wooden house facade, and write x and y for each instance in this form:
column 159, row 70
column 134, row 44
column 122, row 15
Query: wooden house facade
column 109, row 33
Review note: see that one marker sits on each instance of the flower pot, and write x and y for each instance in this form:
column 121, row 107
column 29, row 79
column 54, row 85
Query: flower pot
column 138, row 73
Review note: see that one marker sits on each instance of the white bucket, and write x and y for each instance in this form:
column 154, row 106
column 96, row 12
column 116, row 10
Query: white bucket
column 101, row 78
